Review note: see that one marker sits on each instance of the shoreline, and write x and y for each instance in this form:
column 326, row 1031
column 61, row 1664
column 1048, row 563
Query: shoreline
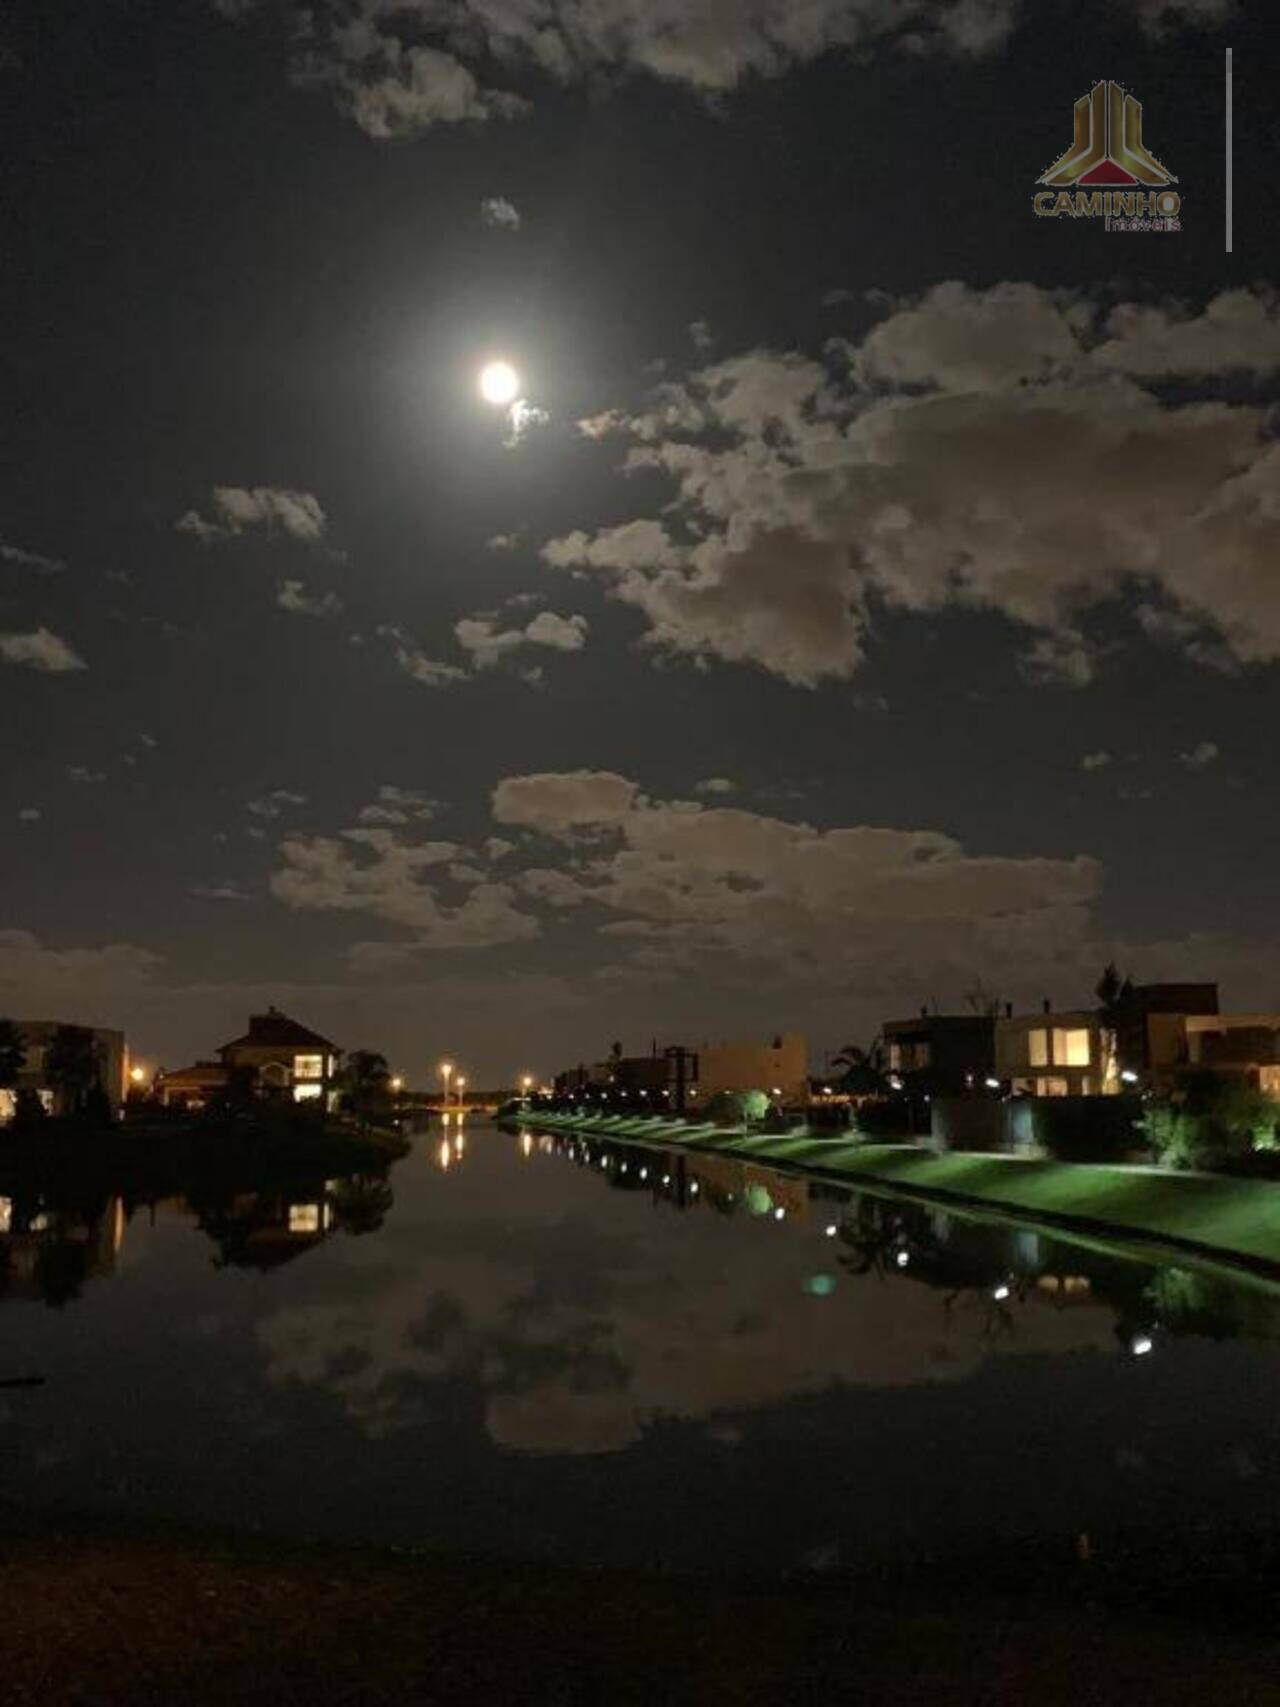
column 1213, row 1220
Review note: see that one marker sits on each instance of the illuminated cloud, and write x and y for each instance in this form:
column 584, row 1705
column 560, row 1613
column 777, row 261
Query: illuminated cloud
column 414, row 662
column 499, row 214
column 237, row 509
column 941, row 464
column 370, row 56
column 293, row 596
column 40, row 650
column 487, row 643
column 1203, row 754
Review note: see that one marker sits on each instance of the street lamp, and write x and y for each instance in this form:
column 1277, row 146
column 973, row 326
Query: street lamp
column 446, row 1068
column 462, row 1085
column 526, row 1084
column 137, row 1074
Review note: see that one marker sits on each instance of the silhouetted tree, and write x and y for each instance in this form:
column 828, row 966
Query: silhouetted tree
column 73, row 1065
column 365, row 1083
column 1117, row 1015
column 28, row 1111
column 13, row 1053
column 861, row 1076
column 361, row 1204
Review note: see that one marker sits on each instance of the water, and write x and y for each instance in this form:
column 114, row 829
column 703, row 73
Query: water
column 520, row 1345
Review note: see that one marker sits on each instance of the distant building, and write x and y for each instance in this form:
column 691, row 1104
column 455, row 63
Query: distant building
column 1245, row 1044
column 113, row 1065
column 192, row 1088
column 663, row 1076
column 276, row 1058
column 1160, row 1031
column 939, row 1052
column 781, row 1065
column 1055, row 1054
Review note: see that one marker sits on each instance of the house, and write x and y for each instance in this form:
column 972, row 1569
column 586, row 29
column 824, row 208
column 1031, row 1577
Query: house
column 277, row 1057
column 1153, row 1038
column 779, row 1067
column 663, row 1076
column 1245, row 1044
column 38, row 1034
column 939, row 1052
column 191, row 1088
column 1055, row 1054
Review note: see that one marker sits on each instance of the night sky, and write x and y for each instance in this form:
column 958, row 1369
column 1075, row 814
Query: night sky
column 870, row 600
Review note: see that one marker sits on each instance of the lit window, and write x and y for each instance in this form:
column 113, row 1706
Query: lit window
column 304, row 1217
column 895, row 1058
column 1071, row 1048
column 8, row 1106
column 307, row 1093
column 308, row 1066
column 1052, row 1088
column 1038, row 1048
column 6, row 1214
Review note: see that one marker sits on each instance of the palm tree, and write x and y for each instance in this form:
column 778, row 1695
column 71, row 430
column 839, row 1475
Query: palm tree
column 861, row 1077
column 366, row 1085
column 73, row 1065
column 13, row 1054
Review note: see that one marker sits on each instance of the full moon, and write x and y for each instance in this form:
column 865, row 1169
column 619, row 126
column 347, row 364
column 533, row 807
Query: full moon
column 499, row 383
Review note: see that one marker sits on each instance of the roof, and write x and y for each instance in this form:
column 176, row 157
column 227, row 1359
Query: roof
column 274, row 1030
column 199, row 1073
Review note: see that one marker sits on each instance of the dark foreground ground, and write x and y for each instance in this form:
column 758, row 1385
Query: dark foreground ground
column 91, row 1620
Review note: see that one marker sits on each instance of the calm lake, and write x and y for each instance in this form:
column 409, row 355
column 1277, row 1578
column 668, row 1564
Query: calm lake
column 599, row 1354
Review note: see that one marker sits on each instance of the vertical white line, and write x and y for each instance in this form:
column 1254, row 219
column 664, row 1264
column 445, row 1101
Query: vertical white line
column 1230, row 161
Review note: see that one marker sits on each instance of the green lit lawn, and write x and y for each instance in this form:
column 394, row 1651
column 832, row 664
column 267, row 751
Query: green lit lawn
column 1237, row 1217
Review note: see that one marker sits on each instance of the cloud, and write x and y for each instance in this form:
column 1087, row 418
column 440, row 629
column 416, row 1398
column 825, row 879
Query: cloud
column 503, row 542
column 220, row 892
column 486, row 643
column 236, row 509
column 40, row 650
column 273, row 804
column 1096, row 761
column 499, row 214
column 292, row 596
column 700, row 336
column 376, row 873
column 30, row 560
column 556, row 802
column 715, row 785
column 700, row 885
column 1203, row 754
column 524, row 418
column 414, row 662
column 943, row 463
column 73, row 983
column 398, row 806
column 400, row 69
column 83, row 774
column 29, row 815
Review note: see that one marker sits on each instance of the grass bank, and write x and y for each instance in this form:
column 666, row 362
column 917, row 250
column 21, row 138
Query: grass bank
column 1209, row 1215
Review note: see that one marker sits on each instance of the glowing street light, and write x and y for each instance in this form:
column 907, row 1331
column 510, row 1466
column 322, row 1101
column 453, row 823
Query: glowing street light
column 137, row 1074
column 446, row 1072
column 462, row 1085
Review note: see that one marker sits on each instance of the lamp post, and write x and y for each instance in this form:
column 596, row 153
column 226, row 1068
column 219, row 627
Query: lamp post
column 446, row 1070
column 462, row 1086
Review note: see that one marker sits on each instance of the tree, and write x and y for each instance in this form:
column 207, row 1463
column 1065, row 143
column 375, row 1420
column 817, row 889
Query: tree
column 861, row 1076
column 365, row 1083
column 1118, row 1016
column 73, row 1066
column 738, row 1108
column 13, row 1054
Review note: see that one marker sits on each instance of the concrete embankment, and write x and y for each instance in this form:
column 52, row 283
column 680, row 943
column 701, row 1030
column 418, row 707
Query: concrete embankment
column 1206, row 1216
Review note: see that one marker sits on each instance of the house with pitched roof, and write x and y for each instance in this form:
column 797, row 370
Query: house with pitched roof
column 277, row 1057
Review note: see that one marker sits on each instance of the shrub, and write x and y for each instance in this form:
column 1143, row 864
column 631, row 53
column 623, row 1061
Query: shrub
column 737, row 1108
column 1217, row 1122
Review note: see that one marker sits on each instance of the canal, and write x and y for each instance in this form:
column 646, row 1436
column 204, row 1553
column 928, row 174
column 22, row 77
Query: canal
column 525, row 1345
